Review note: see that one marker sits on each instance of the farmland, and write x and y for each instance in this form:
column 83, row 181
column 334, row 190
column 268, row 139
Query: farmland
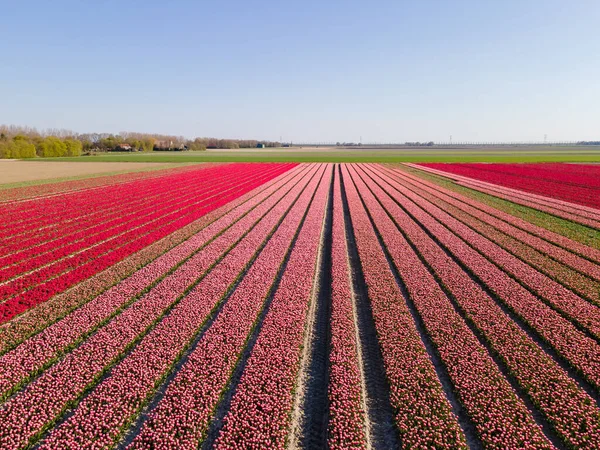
column 289, row 304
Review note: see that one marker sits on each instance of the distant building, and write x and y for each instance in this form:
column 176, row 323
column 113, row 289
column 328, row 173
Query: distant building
column 124, row 148
column 260, row 145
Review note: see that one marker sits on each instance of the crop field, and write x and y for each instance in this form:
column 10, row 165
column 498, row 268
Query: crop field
column 303, row 305
column 586, row 154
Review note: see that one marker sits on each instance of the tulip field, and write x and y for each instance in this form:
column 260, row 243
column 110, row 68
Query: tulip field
column 301, row 305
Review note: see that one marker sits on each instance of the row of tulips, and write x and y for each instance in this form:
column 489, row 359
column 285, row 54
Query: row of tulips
column 47, row 214
column 422, row 413
column 500, row 417
column 576, row 347
column 559, row 240
column 570, row 213
column 568, row 277
column 181, row 418
column 25, row 416
column 564, row 212
column 559, row 254
column 121, row 222
column 19, row 329
column 91, row 233
column 41, row 292
column 46, row 190
column 103, row 220
column 39, row 351
column 582, row 312
column 259, row 413
column 346, row 428
column 101, row 418
column 572, row 412
column 555, row 184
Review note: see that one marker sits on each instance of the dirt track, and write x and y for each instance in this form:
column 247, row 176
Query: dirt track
column 13, row 171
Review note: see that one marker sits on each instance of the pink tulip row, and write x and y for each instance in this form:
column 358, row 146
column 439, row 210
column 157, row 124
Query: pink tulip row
column 530, row 254
column 103, row 416
column 564, row 242
column 566, row 212
column 569, row 409
column 36, row 319
column 41, row 350
column 47, row 289
column 46, row 213
column 500, row 417
column 346, row 428
column 423, row 415
column 62, row 385
column 88, row 184
column 181, row 418
column 122, row 223
column 259, row 414
column 586, row 314
column 568, row 277
column 555, row 252
column 107, row 220
column 582, row 352
column 555, row 184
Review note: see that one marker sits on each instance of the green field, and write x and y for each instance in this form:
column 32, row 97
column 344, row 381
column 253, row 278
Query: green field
column 518, row 154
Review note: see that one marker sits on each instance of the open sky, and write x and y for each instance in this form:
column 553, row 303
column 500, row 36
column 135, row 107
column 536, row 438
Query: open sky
column 310, row 70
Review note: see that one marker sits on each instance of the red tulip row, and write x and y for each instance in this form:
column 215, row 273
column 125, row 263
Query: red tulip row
column 114, row 215
column 109, row 222
column 578, row 248
column 553, row 183
column 423, row 415
column 581, row 351
column 259, row 414
column 100, row 419
column 41, row 292
column 346, row 428
column 555, row 252
column 36, row 319
column 502, row 419
column 41, row 350
column 26, row 415
column 91, row 233
column 571, row 213
column 584, row 313
column 563, row 212
column 46, row 190
column 543, row 200
column 47, row 213
column 572, row 413
column 183, row 415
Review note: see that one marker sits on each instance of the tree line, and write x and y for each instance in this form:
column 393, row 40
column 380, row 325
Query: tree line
column 28, row 142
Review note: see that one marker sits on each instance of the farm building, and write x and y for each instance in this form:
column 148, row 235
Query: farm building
column 260, row 145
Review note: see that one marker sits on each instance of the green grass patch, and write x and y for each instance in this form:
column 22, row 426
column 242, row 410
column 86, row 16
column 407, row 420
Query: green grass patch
column 566, row 154
column 574, row 231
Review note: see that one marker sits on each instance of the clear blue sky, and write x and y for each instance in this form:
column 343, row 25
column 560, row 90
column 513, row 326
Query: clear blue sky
column 307, row 71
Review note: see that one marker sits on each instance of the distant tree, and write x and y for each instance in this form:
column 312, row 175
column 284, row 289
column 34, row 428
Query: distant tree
column 50, row 146
column 73, row 147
